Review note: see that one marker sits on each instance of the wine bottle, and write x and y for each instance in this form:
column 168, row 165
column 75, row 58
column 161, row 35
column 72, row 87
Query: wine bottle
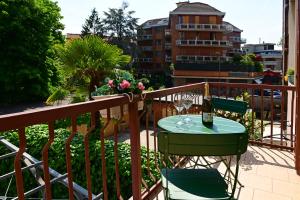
column 207, row 110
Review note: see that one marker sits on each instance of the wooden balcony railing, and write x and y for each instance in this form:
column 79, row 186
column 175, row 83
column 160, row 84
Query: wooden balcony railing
column 268, row 123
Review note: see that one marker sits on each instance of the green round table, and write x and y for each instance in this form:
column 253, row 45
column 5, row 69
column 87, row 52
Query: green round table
column 225, row 137
column 195, row 126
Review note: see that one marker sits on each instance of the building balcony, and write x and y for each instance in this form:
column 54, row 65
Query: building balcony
column 273, row 63
column 144, row 37
column 147, row 48
column 235, row 51
column 238, row 40
column 144, row 60
column 200, row 59
column 167, row 32
column 168, row 45
column 204, row 43
column 276, row 55
column 204, row 27
column 131, row 153
column 168, row 59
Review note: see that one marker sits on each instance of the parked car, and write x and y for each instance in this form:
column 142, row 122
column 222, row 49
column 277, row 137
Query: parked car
column 267, row 100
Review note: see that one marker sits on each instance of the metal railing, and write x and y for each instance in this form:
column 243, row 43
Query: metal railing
column 167, row 32
column 145, row 60
column 168, row 45
column 237, row 39
column 268, row 124
column 168, row 59
column 147, row 48
column 196, row 59
column 236, row 51
column 204, row 27
column 145, row 37
column 204, row 43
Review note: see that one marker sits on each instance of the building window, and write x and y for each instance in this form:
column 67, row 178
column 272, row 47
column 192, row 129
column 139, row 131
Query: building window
column 157, row 42
column 157, row 53
column 212, row 19
column 180, row 19
column 181, row 35
column 212, row 36
column 158, row 30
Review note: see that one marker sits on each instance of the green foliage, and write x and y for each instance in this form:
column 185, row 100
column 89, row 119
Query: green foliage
column 58, row 95
column 155, row 81
column 290, row 71
column 119, row 23
column 122, row 82
column 120, row 27
column 81, row 119
column 93, row 25
column 28, row 31
column 172, row 67
column 248, row 62
column 248, row 120
column 78, row 97
column 37, row 136
column 90, row 58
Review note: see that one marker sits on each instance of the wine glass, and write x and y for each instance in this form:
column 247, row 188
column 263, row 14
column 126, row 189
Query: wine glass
column 179, row 106
column 187, row 103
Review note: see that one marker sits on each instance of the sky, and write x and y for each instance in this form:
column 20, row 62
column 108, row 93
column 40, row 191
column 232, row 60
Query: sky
column 260, row 20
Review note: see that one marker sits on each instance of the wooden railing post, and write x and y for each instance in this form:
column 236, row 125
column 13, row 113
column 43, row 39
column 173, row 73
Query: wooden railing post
column 134, row 126
column 297, row 120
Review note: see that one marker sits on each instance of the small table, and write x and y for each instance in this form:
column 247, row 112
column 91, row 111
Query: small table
column 225, row 138
column 220, row 126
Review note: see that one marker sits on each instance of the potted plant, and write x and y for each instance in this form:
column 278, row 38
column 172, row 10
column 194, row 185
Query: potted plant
column 122, row 83
column 291, row 75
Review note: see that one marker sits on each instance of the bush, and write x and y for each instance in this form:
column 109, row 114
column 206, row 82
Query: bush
column 37, row 136
column 290, row 71
column 29, row 29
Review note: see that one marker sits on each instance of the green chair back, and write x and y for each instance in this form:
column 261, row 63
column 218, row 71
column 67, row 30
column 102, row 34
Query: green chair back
column 230, row 105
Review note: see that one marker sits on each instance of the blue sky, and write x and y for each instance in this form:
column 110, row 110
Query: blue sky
column 258, row 18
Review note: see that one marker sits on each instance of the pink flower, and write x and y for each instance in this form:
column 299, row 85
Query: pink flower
column 111, row 83
column 141, row 86
column 124, row 85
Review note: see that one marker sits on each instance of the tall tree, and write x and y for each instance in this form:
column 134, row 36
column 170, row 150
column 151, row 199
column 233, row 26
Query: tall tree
column 93, row 25
column 121, row 27
column 28, row 30
column 91, row 59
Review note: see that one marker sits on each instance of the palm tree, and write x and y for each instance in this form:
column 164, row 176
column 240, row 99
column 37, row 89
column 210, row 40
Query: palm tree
column 91, row 59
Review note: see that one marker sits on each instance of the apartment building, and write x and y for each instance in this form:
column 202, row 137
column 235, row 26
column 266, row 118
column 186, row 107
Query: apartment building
column 235, row 38
column 196, row 40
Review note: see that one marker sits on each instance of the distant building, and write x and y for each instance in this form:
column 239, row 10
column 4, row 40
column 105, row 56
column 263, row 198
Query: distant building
column 234, row 37
column 72, row 36
column 196, row 40
column 270, row 58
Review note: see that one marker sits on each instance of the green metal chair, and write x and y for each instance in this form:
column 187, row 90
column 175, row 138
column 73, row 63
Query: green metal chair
column 230, row 105
column 206, row 183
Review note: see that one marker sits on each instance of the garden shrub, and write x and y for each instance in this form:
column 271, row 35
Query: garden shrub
column 37, row 136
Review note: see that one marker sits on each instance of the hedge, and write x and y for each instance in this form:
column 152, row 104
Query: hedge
column 37, row 136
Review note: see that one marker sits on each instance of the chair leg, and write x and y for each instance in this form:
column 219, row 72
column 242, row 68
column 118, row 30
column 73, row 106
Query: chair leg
column 230, row 171
column 235, row 176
